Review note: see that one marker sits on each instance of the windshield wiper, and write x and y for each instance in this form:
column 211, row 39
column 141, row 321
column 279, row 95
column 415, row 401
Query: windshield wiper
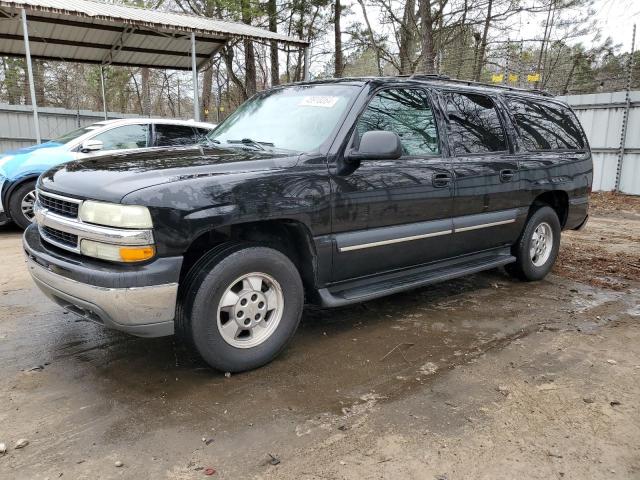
column 253, row 143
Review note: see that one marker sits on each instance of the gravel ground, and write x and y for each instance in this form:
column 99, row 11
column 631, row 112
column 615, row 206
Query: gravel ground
column 481, row 377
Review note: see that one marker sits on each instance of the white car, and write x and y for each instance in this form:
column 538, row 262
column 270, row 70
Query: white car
column 20, row 169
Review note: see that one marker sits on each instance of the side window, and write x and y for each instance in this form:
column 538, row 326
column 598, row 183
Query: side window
column 474, row 125
column 546, row 126
column 169, row 135
column 405, row 112
column 125, row 137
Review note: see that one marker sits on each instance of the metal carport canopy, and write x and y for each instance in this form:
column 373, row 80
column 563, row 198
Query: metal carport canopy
column 86, row 31
column 91, row 32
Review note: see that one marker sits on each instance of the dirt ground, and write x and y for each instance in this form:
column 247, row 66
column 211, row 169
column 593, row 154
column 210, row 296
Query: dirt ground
column 483, row 377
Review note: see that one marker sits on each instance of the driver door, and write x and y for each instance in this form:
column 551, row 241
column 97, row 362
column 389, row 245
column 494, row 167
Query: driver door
column 391, row 214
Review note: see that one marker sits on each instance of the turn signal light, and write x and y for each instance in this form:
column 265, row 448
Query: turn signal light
column 117, row 253
column 136, row 254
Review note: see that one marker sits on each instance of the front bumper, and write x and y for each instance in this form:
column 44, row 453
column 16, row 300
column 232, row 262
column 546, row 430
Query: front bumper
column 139, row 301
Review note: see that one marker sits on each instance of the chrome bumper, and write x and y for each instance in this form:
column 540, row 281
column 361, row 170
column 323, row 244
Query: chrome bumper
column 142, row 311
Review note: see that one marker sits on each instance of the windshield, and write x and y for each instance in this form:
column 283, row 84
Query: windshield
column 298, row 118
column 72, row 135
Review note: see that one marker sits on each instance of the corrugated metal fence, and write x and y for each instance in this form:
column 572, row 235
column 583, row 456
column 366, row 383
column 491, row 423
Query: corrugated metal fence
column 602, row 115
column 16, row 124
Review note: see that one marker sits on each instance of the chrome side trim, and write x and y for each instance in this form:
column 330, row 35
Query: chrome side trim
column 469, row 222
column 394, row 240
column 484, row 225
column 87, row 231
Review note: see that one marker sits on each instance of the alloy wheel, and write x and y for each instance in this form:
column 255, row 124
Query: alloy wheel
column 250, row 310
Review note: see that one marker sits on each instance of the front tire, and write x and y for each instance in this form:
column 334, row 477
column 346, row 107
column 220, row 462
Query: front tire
column 21, row 204
column 242, row 306
column 537, row 248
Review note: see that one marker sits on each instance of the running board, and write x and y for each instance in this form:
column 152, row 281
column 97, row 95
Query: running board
column 374, row 287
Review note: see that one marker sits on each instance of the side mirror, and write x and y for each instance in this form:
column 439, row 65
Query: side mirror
column 377, row 145
column 91, row 146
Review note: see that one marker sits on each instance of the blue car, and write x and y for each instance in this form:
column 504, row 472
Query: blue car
column 20, row 169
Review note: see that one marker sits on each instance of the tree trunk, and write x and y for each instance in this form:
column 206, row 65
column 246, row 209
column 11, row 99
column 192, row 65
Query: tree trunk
column 249, row 54
column 227, row 54
column 146, row 91
column 371, row 37
column 207, row 83
column 482, row 49
column 339, row 62
column 38, row 80
column 273, row 27
column 428, row 53
column 406, row 37
column 544, row 39
column 25, row 86
column 567, row 83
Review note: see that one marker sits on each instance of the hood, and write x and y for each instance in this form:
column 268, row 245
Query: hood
column 110, row 178
column 32, row 148
column 33, row 160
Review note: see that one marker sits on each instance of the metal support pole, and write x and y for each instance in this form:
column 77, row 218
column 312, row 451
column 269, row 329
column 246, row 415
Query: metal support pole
column 194, row 67
column 32, row 87
column 625, row 116
column 307, row 74
column 104, row 96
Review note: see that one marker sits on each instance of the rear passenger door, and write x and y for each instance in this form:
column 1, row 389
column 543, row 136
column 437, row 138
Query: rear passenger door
column 487, row 179
column 391, row 214
column 553, row 151
column 167, row 135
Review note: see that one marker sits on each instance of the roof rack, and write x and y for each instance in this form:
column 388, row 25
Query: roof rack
column 470, row 83
column 429, row 76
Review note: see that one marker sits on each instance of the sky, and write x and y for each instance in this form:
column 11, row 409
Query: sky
column 616, row 18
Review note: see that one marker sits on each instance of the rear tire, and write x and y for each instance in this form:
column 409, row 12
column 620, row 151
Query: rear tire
column 537, row 248
column 21, row 204
column 242, row 306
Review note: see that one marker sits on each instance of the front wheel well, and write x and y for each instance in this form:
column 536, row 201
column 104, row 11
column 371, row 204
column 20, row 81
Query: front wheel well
column 289, row 237
column 556, row 199
column 16, row 185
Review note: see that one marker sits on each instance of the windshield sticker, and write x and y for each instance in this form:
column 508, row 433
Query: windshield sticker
column 319, row 101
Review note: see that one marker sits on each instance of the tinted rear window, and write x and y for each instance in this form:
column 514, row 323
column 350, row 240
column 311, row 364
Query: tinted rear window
column 474, row 125
column 170, row 135
column 546, row 126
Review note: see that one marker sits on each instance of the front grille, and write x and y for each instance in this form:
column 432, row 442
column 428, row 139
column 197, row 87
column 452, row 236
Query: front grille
column 59, row 236
column 59, row 206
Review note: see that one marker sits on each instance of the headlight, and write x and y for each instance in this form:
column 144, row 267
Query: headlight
column 117, row 253
column 115, row 215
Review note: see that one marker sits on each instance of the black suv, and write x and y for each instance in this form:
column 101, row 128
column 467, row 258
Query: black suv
column 329, row 192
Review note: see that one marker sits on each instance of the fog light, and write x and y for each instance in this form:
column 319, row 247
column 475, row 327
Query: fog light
column 117, row 253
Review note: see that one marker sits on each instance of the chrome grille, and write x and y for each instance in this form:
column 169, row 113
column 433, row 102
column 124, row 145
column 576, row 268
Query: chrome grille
column 57, row 205
column 59, row 237
column 59, row 225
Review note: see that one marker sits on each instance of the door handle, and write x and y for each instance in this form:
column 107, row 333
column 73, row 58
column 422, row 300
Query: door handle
column 506, row 175
column 441, row 180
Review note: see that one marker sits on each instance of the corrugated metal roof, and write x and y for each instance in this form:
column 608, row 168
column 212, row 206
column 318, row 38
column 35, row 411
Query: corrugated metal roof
column 93, row 32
